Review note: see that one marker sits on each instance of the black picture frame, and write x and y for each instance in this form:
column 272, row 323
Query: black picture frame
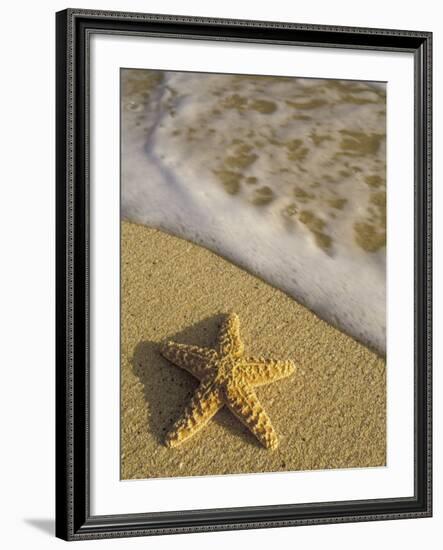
column 74, row 521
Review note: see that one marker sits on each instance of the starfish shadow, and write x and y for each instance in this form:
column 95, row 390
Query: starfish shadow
column 168, row 389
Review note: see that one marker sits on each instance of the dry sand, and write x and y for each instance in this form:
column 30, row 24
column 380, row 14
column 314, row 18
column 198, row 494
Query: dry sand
column 330, row 414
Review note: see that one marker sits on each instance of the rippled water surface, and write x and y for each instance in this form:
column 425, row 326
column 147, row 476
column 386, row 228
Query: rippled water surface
column 284, row 176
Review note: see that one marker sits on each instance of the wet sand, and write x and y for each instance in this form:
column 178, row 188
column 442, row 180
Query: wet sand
column 330, row 414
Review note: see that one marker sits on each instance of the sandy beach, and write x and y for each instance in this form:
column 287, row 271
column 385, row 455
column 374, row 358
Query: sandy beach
column 329, row 414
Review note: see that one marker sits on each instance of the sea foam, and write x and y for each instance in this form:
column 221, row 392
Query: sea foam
column 283, row 176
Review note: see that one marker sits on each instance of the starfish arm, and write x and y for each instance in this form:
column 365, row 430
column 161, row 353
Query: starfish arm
column 243, row 402
column 259, row 371
column 229, row 342
column 194, row 359
column 204, row 404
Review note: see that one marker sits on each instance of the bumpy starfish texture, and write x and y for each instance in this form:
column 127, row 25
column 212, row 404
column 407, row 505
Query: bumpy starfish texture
column 227, row 377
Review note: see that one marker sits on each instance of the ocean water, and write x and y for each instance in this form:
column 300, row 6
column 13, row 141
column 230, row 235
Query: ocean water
column 286, row 177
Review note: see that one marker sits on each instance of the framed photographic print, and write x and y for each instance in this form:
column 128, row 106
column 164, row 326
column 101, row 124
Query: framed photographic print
column 243, row 274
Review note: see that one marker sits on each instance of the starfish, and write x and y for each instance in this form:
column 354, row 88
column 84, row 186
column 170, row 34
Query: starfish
column 227, row 377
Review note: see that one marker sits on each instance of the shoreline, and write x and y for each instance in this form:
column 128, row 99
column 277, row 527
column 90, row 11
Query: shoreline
column 368, row 346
